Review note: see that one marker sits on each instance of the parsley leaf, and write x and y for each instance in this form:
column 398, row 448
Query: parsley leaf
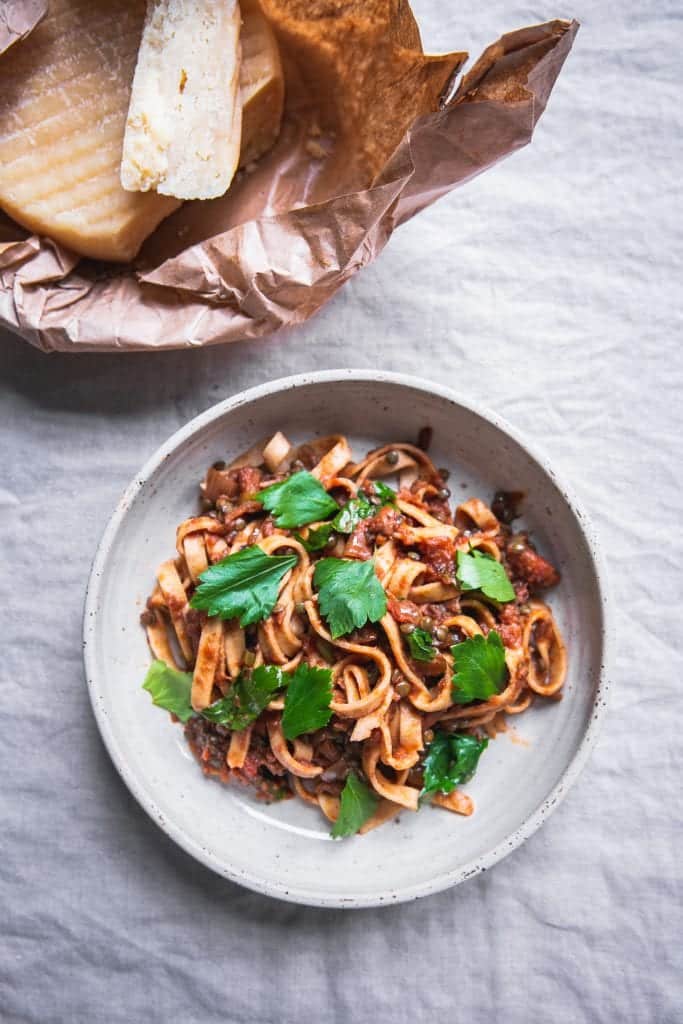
column 317, row 539
column 349, row 593
column 244, row 584
column 351, row 514
column 384, row 492
column 421, row 645
column 170, row 689
column 478, row 571
column 359, row 508
column 479, row 668
column 307, row 704
column 358, row 803
column 450, row 761
column 246, row 698
column 296, row 501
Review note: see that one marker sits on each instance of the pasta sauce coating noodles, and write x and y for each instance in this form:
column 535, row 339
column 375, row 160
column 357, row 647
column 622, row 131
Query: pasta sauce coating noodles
column 337, row 632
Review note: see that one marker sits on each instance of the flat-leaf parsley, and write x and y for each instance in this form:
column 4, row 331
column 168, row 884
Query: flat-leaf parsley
column 479, row 668
column 297, row 501
column 349, row 593
column 243, row 585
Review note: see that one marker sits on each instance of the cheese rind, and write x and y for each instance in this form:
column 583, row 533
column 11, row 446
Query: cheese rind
column 262, row 84
column 184, row 123
column 63, row 105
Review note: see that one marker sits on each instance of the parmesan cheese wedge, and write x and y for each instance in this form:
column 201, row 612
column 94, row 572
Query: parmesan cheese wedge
column 64, row 97
column 184, row 123
column 262, row 84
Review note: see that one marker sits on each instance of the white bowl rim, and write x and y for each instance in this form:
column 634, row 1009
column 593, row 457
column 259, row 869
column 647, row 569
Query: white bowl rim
column 300, row 894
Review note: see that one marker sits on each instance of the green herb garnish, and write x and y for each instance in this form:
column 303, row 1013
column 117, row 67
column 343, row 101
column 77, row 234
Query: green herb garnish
column 421, row 645
column 360, row 508
column 348, row 518
column 349, row 593
column 307, row 704
column 170, row 689
column 297, row 501
column 385, row 492
column 243, row 585
column 450, row 761
column 478, row 571
column 249, row 695
column 317, row 539
column 479, row 668
column 358, row 803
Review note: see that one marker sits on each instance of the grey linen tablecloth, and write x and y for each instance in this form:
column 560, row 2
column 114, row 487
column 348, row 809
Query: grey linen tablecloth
column 549, row 289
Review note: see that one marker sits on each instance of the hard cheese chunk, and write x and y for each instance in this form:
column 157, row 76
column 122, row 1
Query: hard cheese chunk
column 184, row 124
column 262, row 84
column 64, row 97
column 63, row 106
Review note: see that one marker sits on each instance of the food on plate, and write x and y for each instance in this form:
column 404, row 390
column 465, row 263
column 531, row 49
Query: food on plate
column 184, row 124
column 355, row 643
column 63, row 107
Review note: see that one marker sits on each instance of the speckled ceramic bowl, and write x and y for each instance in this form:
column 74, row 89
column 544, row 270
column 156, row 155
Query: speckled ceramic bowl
column 284, row 850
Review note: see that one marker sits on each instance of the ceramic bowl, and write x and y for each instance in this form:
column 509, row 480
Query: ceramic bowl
column 284, row 850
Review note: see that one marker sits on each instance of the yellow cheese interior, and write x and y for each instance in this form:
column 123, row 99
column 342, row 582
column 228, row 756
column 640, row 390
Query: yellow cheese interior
column 64, row 96
column 261, row 82
column 184, row 123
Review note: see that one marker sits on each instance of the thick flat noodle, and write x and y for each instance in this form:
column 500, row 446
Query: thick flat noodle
column 404, row 572
column 360, row 698
column 233, row 638
column 306, row 795
column 239, row 748
column 176, row 602
column 433, row 593
column 481, row 543
column 423, row 517
column 361, row 706
column 329, row 805
column 366, row 725
column 198, row 524
column 157, row 638
column 278, row 744
column 276, row 451
column 252, row 457
column 206, row 664
column 376, row 464
column 333, row 462
column 401, row 734
column 194, row 550
column 474, row 514
column 457, row 802
column 478, row 612
column 545, row 650
column 395, row 792
column 465, row 623
column 310, row 453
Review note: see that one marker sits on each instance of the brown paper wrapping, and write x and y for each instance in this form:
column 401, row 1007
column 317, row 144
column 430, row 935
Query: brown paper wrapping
column 279, row 245
column 18, row 18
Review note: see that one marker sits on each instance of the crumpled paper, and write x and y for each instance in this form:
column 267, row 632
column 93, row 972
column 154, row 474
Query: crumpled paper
column 18, row 18
column 273, row 250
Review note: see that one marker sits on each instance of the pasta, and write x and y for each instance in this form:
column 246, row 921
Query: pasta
column 454, row 636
